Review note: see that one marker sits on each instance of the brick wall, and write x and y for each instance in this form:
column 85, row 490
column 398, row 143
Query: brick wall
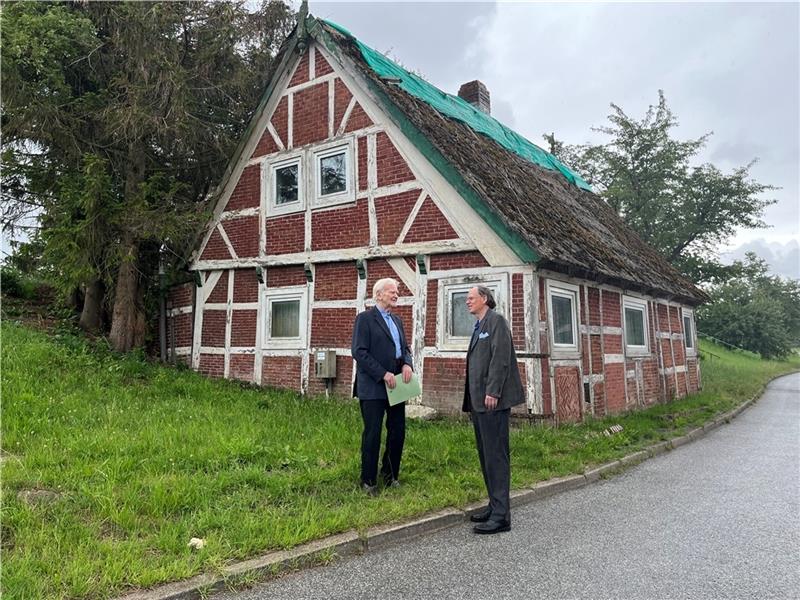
column 517, row 312
column 340, row 228
column 220, row 292
column 215, row 248
column 241, row 367
column 392, row 168
column 266, row 145
column 457, row 260
column 247, row 193
column 300, row 72
column 214, row 328
column 341, row 98
column 380, row 268
column 244, row 235
column 286, row 235
column 358, row 119
column 245, row 285
column 280, row 120
column 335, row 281
column 342, row 384
column 243, row 328
column 285, row 276
column 212, row 365
column 310, row 111
column 332, row 327
column 281, row 371
column 361, row 149
column 392, row 212
column 430, row 224
column 321, row 66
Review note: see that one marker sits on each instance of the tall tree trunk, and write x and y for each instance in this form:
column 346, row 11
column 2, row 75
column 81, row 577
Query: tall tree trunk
column 128, row 319
column 92, row 313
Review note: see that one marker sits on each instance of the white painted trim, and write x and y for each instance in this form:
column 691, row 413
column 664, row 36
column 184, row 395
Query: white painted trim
column 672, row 370
column 468, row 271
column 391, row 190
column 372, row 161
column 412, row 216
column 498, row 281
column 565, row 362
column 334, row 304
column 600, row 330
column 312, row 62
column 182, row 351
column 236, row 214
column 406, row 274
column 210, row 283
column 314, row 158
column 290, row 121
column 346, row 115
column 297, row 292
column 594, row 378
column 637, row 304
column 228, row 325
column 690, row 351
column 274, row 133
column 418, row 325
column 613, row 359
column 435, row 352
column 331, row 96
column 225, row 239
column 273, row 209
column 183, row 310
column 234, row 306
column 345, row 254
column 560, row 288
column 322, row 79
column 537, row 402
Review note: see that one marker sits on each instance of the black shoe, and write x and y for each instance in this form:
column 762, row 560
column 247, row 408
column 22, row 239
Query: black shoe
column 393, row 483
column 491, row 527
column 481, row 516
column 369, row 490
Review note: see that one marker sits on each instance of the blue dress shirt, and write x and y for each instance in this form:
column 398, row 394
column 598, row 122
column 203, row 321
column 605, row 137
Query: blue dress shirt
column 393, row 330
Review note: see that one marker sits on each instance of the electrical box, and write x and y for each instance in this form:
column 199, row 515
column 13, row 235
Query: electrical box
column 325, row 364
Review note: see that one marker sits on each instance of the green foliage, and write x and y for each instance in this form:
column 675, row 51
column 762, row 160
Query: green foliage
column 118, row 118
column 646, row 175
column 16, row 284
column 145, row 457
column 754, row 310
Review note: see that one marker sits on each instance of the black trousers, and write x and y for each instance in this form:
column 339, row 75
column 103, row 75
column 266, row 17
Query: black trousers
column 491, row 438
column 372, row 412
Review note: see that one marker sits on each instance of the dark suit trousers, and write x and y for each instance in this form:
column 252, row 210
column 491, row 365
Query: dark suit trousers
column 491, row 438
column 372, row 412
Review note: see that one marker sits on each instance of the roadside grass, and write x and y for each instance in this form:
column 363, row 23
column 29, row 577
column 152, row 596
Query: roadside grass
column 145, row 457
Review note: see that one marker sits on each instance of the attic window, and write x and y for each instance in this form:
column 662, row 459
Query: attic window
column 333, row 174
column 286, row 186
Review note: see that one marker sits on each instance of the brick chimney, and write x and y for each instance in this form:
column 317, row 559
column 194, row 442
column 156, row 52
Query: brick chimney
column 476, row 94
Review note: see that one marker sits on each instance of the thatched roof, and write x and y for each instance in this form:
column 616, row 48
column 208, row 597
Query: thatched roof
column 568, row 229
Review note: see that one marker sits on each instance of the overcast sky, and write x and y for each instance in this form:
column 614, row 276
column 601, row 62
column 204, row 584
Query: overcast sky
column 730, row 68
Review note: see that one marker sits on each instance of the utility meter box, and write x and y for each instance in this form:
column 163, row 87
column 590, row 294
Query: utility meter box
column 325, row 364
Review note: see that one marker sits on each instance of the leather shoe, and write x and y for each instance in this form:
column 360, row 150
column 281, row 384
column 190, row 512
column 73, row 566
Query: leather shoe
column 482, row 516
column 369, row 490
column 491, row 527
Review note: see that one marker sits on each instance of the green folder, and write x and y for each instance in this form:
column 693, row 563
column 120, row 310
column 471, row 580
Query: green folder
column 404, row 391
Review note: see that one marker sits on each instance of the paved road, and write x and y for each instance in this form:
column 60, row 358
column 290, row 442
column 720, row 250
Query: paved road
column 717, row 518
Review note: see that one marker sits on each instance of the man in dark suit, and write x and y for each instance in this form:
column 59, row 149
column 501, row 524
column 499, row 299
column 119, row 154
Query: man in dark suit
column 492, row 387
column 381, row 352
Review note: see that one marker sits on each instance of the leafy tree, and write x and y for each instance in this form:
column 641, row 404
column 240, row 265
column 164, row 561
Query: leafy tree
column 754, row 310
column 118, row 117
column 644, row 173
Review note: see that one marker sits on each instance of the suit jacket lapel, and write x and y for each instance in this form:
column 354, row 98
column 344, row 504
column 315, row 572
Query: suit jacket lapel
column 382, row 323
column 475, row 338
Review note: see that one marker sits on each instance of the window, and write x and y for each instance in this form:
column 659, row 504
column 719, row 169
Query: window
column 635, row 325
column 286, row 186
column 333, row 175
column 688, row 331
column 457, row 322
column 285, row 322
column 563, row 301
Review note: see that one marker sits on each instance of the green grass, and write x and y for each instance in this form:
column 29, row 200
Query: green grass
column 145, row 457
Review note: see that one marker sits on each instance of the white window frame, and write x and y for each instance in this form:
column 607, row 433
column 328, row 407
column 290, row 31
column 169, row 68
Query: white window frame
column 498, row 283
column 563, row 290
column 348, row 195
column 630, row 302
column 690, row 350
column 298, row 292
column 273, row 208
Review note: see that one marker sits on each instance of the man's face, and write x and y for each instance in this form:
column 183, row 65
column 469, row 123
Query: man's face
column 387, row 298
column 475, row 302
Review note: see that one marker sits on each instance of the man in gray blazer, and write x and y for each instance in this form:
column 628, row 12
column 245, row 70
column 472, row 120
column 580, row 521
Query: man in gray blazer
column 492, row 387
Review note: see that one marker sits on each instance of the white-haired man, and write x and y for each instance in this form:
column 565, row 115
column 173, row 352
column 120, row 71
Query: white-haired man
column 381, row 352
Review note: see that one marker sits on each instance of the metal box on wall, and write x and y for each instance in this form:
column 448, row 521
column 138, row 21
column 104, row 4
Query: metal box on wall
column 325, row 364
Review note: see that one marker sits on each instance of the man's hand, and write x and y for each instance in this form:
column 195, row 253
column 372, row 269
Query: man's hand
column 490, row 402
column 389, row 379
column 406, row 373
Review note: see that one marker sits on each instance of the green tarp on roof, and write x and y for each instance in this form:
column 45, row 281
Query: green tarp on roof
column 461, row 110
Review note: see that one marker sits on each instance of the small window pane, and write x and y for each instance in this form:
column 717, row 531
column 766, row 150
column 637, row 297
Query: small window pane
column 562, row 321
column 461, row 321
column 333, row 174
column 634, row 326
column 285, row 319
column 687, row 331
column 286, row 184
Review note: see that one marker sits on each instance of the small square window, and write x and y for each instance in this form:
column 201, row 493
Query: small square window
column 635, row 326
column 563, row 316
column 285, row 317
column 333, row 174
column 458, row 322
column 286, row 188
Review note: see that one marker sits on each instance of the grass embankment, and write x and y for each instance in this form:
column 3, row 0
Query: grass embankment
column 143, row 458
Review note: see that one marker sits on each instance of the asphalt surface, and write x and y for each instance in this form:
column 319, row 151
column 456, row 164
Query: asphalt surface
column 716, row 518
